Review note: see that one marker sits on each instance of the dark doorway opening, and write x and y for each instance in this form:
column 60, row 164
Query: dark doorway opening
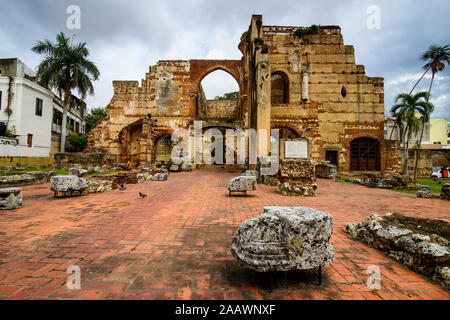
column 332, row 156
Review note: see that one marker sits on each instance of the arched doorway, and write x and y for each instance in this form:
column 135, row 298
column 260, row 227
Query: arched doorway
column 135, row 146
column 214, row 145
column 364, row 155
column 163, row 150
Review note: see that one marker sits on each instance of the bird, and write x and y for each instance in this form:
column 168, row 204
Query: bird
column 123, row 186
column 142, row 195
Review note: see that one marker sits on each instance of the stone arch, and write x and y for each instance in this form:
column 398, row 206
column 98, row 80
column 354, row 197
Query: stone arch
column 288, row 126
column 156, row 154
column 130, row 140
column 199, row 69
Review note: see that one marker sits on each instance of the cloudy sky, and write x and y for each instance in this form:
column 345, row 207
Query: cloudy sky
column 126, row 37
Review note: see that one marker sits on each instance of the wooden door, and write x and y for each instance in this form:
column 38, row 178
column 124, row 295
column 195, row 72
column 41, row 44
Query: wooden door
column 364, row 155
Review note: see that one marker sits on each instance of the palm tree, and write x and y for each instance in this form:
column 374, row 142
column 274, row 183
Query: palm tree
column 65, row 67
column 436, row 57
column 405, row 109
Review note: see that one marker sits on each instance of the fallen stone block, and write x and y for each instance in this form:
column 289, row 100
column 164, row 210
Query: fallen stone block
column 242, row 184
column 445, row 192
column 68, row 185
column 186, row 167
column 411, row 241
column 326, row 170
column 17, row 179
column 283, row 239
column 10, row 198
column 295, row 188
column 425, row 192
column 74, row 172
column 160, row 177
column 252, row 173
column 99, row 186
column 82, row 173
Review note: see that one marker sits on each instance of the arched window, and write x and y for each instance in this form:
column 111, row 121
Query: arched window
column 218, row 96
column 279, row 88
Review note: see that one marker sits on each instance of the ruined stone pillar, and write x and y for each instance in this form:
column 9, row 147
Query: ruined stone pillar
column 305, row 85
column 263, row 101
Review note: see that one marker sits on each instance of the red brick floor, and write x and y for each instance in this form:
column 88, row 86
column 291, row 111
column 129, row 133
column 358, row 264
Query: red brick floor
column 175, row 244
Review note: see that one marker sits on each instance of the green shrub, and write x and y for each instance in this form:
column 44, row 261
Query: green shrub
column 307, row 30
column 77, row 142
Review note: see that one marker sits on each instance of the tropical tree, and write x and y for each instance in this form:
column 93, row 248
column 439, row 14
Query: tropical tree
column 436, row 57
column 405, row 109
column 94, row 116
column 228, row 96
column 65, row 67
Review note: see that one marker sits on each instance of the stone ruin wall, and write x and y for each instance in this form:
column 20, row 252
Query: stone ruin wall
column 333, row 120
column 222, row 109
column 164, row 94
column 328, row 93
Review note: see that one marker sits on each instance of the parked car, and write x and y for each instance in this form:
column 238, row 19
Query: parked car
column 440, row 173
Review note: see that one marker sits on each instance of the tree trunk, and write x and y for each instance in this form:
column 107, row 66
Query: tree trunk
column 421, row 134
column 405, row 152
column 387, row 151
column 419, row 80
column 66, row 103
column 418, row 150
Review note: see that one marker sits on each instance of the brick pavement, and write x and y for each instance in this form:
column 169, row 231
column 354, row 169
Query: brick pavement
column 175, row 244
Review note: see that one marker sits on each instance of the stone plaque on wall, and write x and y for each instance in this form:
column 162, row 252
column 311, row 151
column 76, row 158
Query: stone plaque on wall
column 296, row 150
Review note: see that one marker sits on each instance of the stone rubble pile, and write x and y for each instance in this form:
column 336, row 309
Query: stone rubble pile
column 297, row 178
column 388, row 180
column 326, row 170
column 252, row 173
column 264, row 163
column 425, row 192
column 242, row 184
column 283, row 239
column 10, row 198
column 98, row 185
column 428, row 255
column 445, row 193
column 68, row 184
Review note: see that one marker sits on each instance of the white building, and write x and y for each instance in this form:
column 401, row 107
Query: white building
column 34, row 123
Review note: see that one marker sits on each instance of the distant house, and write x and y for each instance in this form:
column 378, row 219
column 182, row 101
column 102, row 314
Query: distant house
column 435, row 132
column 32, row 128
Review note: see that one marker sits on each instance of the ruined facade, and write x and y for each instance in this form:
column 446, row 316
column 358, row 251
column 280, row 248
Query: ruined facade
column 306, row 84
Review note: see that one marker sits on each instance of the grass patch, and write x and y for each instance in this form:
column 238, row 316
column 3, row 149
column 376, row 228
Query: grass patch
column 434, row 185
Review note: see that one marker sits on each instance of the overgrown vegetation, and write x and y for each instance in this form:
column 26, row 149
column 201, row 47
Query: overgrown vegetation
column 78, row 143
column 228, row 96
column 93, row 117
column 307, row 30
column 435, row 186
